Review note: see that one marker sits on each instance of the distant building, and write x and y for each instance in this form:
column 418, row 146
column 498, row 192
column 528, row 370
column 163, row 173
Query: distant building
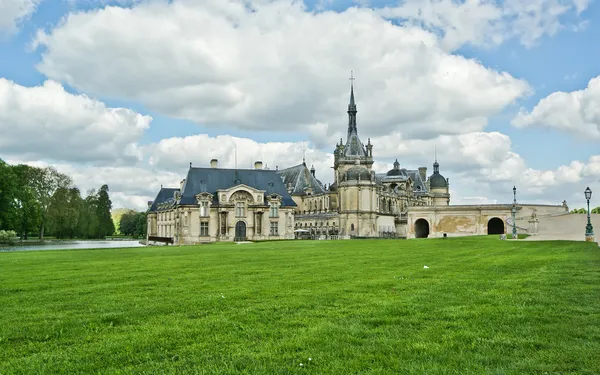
column 214, row 204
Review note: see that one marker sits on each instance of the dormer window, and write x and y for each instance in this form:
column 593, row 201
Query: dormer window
column 273, row 209
column 203, row 208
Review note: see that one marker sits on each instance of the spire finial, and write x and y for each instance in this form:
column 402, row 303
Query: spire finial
column 351, row 108
column 435, row 153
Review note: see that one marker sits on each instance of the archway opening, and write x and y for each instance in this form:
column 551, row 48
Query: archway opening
column 495, row 226
column 421, row 228
column 240, row 231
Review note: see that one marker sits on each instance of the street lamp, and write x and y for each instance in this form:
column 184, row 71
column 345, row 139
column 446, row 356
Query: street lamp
column 589, row 230
column 514, row 213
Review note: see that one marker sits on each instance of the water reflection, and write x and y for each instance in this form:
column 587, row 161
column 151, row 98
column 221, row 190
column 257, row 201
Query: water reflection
column 66, row 245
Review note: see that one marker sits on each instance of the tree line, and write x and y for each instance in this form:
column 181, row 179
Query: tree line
column 584, row 211
column 44, row 202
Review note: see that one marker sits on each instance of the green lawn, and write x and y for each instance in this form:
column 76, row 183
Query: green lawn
column 483, row 306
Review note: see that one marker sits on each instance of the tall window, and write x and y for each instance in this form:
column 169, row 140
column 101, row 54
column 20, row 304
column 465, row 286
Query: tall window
column 204, row 229
column 274, row 228
column 224, row 224
column 239, row 209
column 204, row 208
column 258, row 223
column 274, row 210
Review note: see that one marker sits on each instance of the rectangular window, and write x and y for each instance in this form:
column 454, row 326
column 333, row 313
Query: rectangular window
column 224, row 224
column 259, row 223
column 204, row 229
column 274, row 228
column 239, row 209
column 204, row 209
column 274, row 210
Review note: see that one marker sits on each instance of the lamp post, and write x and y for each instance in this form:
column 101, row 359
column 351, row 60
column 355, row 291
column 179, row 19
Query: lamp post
column 589, row 230
column 514, row 213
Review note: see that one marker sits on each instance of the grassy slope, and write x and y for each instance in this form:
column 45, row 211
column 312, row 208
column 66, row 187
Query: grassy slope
column 483, row 307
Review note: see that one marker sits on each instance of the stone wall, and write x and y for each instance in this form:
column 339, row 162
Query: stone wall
column 468, row 220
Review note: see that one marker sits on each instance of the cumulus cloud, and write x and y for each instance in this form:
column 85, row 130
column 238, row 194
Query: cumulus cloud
column 485, row 22
column 477, row 164
column 47, row 122
column 576, row 112
column 272, row 65
column 12, row 12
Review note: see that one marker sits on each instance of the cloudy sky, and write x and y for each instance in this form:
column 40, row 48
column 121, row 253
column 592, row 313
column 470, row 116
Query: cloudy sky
column 128, row 93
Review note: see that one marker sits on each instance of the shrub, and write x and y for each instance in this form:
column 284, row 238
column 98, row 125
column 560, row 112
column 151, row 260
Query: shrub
column 7, row 236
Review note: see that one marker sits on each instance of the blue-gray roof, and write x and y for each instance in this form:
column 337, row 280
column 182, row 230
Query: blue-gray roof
column 209, row 180
column 164, row 196
column 300, row 178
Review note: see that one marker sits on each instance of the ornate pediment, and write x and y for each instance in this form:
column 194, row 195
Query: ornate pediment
column 242, row 196
column 200, row 197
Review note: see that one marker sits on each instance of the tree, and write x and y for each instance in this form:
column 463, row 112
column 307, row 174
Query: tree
column 106, row 227
column 45, row 182
column 8, row 192
column 128, row 223
column 133, row 224
column 29, row 212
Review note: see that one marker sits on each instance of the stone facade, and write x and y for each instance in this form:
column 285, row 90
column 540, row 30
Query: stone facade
column 214, row 204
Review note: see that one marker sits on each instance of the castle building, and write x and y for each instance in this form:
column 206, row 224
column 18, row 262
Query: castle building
column 216, row 204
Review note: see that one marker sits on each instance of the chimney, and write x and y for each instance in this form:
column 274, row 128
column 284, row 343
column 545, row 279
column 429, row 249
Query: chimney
column 423, row 173
column 312, row 170
column 258, row 164
column 214, row 163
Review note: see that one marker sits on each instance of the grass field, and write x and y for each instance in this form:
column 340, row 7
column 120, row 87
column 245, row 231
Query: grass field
column 483, row 306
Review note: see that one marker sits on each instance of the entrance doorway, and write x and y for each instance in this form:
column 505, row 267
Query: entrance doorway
column 495, row 226
column 240, row 231
column 421, row 228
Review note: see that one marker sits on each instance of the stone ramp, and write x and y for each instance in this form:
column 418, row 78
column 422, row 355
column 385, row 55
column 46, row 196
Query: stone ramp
column 570, row 227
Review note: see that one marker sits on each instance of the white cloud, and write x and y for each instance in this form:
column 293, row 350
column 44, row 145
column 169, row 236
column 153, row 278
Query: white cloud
column 577, row 112
column 12, row 12
column 275, row 67
column 46, row 122
column 487, row 22
column 477, row 164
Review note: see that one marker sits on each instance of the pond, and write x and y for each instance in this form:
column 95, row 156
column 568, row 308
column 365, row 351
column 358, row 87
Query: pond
column 67, row 245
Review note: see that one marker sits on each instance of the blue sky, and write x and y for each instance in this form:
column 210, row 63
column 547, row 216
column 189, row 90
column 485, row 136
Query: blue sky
column 561, row 61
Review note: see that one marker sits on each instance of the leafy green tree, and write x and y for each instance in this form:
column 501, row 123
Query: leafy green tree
column 128, row 223
column 106, row 227
column 45, row 182
column 29, row 211
column 8, row 192
column 133, row 224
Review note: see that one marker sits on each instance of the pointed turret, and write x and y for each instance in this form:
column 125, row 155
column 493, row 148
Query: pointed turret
column 354, row 146
column 352, row 110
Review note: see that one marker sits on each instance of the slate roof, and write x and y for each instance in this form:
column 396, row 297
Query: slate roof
column 166, row 196
column 209, row 180
column 354, row 147
column 418, row 182
column 299, row 177
column 413, row 174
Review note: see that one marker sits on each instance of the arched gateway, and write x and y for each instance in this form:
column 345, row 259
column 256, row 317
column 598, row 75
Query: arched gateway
column 495, row 226
column 240, row 231
column 421, row 228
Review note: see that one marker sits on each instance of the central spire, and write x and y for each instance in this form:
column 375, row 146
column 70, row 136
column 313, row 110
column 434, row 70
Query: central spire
column 352, row 109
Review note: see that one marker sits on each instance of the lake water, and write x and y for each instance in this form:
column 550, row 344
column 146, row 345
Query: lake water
column 65, row 245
